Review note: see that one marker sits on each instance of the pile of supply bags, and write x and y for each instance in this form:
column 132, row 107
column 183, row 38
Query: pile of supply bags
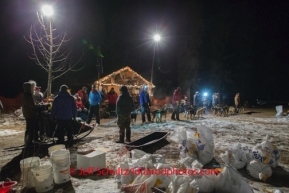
column 266, row 156
column 196, row 150
column 194, row 145
column 139, row 172
column 238, row 156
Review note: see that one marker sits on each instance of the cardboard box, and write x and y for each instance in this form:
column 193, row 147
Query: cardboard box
column 95, row 160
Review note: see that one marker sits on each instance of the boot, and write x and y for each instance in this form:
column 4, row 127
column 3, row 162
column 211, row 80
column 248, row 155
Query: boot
column 128, row 136
column 121, row 138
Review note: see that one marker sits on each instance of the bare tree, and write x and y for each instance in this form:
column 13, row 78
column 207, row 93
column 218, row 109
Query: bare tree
column 48, row 50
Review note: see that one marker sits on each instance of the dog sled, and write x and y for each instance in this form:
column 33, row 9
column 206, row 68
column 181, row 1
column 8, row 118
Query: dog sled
column 48, row 132
column 148, row 142
column 49, row 128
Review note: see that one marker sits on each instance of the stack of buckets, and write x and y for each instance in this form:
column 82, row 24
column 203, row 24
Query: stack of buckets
column 41, row 176
column 26, row 165
column 61, row 165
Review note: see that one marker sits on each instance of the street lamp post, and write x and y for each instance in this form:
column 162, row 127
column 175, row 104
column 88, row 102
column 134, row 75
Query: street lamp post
column 156, row 39
column 48, row 11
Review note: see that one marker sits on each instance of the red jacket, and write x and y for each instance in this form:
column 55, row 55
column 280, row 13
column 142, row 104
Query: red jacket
column 112, row 97
column 84, row 99
column 177, row 96
column 79, row 104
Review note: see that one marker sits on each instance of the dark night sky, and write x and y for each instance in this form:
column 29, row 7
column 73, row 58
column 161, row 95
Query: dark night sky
column 248, row 40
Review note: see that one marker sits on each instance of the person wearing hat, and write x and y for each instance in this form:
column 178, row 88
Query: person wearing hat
column 145, row 103
column 94, row 100
column 37, row 96
column 176, row 101
column 30, row 112
column 124, row 107
column 64, row 112
column 197, row 100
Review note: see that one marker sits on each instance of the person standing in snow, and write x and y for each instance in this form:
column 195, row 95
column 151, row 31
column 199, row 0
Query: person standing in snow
column 214, row 99
column 237, row 101
column 124, row 107
column 176, row 101
column 30, row 112
column 84, row 96
column 64, row 112
column 112, row 97
column 145, row 103
column 38, row 96
column 196, row 101
column 94, row 101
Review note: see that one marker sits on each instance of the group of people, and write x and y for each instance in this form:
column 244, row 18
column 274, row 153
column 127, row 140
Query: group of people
column 65, row 107
column 197, row 101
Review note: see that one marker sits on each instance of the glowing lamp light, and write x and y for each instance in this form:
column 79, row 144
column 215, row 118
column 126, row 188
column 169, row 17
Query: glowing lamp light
column 47, row 10
column 205, row 94
column 157, row 38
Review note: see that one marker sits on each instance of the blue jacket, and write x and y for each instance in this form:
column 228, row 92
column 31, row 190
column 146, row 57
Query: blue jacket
column 94, row 98
column 144, row 98
column 64, row 106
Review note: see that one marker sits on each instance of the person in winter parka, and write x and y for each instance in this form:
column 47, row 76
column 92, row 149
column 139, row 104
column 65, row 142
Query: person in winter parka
column 124, row 107
column 94, row 100
column 145, row 103
column 30, row 112
column 176, row 101
column 64, row 112
column 84, row 96
column 237, row 101
column 197, row 100
column 214, row 99
column 112, row 97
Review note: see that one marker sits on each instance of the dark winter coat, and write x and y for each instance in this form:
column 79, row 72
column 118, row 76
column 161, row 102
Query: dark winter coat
column 94, row 98
column 64, row 106
column 124, row 104
column 144, row 98
column 29, row 108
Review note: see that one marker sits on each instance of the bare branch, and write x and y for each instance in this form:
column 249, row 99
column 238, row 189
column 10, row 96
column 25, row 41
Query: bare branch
column 47, row 50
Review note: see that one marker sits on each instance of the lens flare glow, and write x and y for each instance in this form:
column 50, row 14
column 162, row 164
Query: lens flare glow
column 47, row 10
column 157, row 38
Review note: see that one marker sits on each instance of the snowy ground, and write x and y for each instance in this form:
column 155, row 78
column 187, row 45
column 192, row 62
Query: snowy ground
column 247, row 129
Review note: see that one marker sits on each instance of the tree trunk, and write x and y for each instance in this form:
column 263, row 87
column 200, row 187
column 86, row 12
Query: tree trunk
column 50, row 61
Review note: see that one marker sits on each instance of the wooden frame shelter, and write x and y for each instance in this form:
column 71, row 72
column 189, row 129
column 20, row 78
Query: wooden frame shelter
column 125, row 76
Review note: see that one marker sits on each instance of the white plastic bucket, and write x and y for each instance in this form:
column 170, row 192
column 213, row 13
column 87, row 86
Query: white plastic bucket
column 55, row 148
column 61, row 174
column 43, row 178
column 26, row 165
column 61, row 166
column 60, row 158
